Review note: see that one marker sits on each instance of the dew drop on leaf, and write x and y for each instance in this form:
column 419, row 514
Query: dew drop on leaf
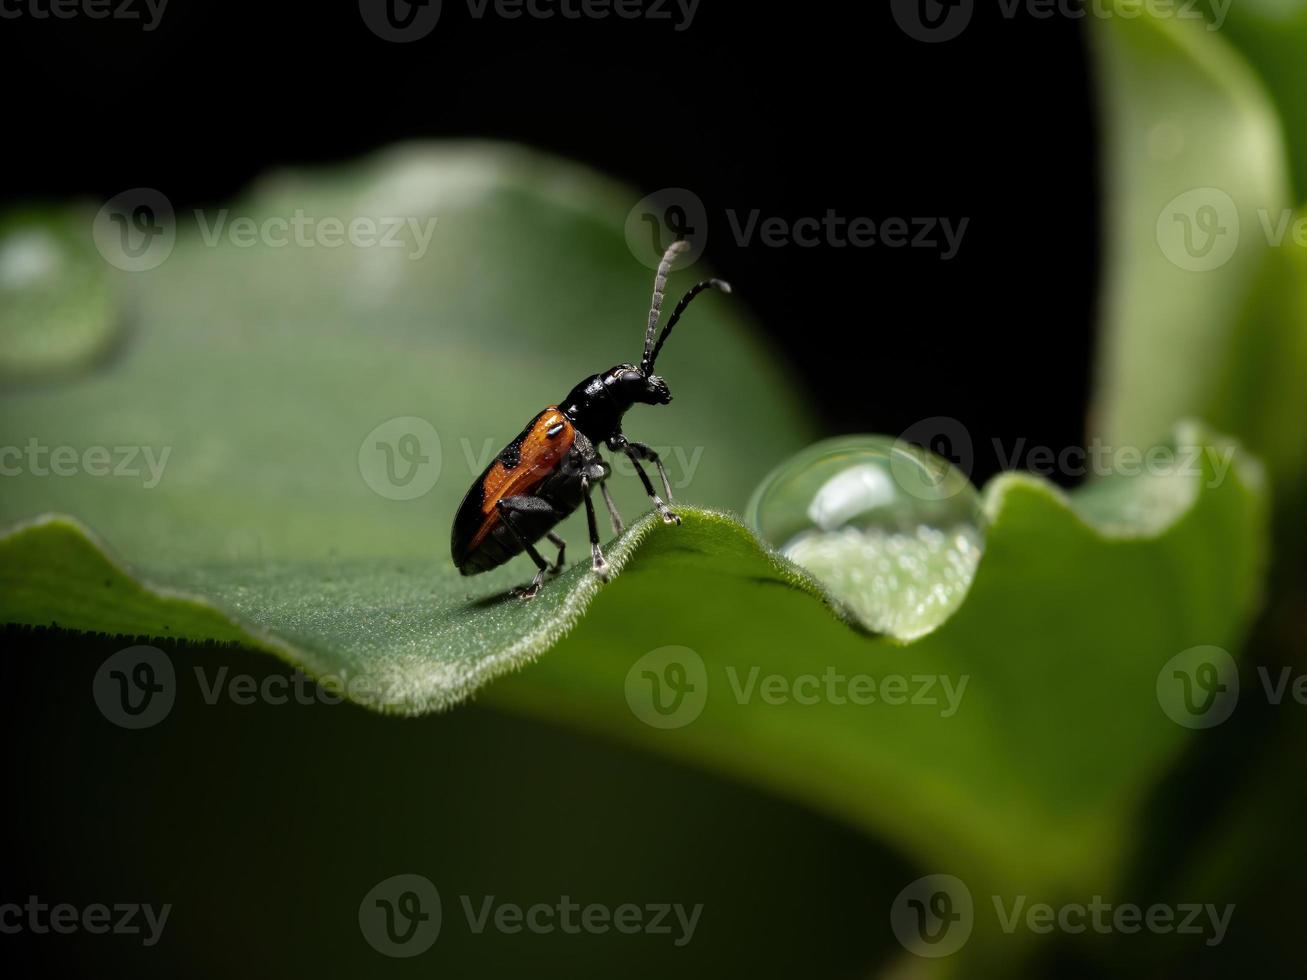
column 893, row 531
column 57, row 312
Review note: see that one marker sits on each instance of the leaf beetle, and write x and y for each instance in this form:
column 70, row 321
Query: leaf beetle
column 553, row 465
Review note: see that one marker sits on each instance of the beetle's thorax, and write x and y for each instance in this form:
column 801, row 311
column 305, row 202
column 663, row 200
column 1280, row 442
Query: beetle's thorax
column 596, row 405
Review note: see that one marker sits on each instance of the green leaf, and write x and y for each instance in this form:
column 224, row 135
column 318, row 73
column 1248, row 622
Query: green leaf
column 1031, row 772
column 1192, row 146
column 236, row 433
column 1272, row 34
column 266, row 372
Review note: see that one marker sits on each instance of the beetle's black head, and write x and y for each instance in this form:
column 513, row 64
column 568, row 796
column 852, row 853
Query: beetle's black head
column 629, row 386
column 597, row 404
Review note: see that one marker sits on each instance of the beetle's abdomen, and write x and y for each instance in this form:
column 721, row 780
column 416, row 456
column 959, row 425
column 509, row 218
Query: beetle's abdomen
column 479, row 541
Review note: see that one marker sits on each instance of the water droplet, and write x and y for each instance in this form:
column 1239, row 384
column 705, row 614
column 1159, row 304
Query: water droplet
column 895, row 532
column 57, row 311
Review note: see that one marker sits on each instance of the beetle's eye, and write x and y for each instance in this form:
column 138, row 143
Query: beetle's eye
column 632, row 378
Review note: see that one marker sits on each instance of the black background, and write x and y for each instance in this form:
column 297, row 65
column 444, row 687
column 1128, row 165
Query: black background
column 792, row 110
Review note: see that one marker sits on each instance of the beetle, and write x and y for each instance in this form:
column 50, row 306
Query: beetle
column 553, row 465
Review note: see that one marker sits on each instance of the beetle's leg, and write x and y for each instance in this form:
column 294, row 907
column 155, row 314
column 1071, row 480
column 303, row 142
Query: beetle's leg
column 509, row 506
column 616, row 518
column 647, row 453
column 637, row 451
column 596, row 555
column 599, row 472
column 561, row 545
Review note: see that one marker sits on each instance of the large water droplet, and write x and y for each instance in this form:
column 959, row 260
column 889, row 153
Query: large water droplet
column 57, row 312
column 894, row 532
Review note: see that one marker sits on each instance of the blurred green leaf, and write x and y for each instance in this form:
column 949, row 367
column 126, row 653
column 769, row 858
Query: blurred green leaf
column 1200, row 291
column 266, row 373
column 1038, row 734
column 1272, row 35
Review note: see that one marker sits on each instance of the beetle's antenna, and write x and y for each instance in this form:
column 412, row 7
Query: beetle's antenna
column 695, row 290
column 660, row 284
